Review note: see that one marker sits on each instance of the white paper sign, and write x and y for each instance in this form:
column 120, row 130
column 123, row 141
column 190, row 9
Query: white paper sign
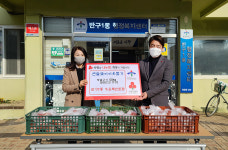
column 98, row 54
column 112, row 81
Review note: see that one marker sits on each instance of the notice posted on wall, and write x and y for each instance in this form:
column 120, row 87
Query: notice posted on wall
column 112, row 81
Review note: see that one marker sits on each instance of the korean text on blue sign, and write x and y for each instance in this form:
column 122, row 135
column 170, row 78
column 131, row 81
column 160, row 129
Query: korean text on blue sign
column 99, row 25
column 186, row 73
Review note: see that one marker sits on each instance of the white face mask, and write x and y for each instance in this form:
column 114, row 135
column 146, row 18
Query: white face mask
column 79, row 60
column 155, row 52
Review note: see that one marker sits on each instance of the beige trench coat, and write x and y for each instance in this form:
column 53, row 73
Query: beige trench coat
column 70, row 85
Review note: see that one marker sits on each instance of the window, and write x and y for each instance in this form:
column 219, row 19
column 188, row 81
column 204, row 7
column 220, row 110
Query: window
column 14, row 52
column 57, row 25
column 210, row 57
column 163, row 26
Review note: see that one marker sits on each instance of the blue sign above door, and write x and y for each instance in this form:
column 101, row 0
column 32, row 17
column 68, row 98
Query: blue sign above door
column 105, row 25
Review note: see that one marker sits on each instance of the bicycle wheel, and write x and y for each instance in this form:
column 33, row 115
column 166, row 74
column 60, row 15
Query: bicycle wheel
column 212, row 105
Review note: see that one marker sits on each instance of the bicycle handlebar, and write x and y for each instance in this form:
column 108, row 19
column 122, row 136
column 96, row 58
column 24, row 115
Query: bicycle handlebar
column 221, row 82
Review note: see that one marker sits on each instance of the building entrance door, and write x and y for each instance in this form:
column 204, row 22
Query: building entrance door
column 170, row 52
column 127, row 50
column 98, row 49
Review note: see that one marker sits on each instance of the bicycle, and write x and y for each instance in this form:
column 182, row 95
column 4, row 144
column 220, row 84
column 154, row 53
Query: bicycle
column 172, row 92
column 212, row 105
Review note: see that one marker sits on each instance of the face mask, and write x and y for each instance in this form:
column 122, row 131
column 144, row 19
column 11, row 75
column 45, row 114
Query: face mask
column 79, row 60
column 155, row 52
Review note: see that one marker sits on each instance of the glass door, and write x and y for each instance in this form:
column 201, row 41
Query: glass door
column 167, row 28
column 98, row 50
column 127, row 49
column 170, row 52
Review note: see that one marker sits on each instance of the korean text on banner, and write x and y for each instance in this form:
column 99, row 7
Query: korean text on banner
column 186, row 61
column 112, row 81
column 32, row 29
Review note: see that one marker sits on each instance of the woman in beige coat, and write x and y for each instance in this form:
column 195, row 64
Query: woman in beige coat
column 74, row 79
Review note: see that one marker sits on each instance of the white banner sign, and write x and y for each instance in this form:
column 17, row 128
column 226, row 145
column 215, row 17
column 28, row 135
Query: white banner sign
column 112, row 81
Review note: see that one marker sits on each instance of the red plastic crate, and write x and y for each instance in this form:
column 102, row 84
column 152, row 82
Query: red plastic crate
column 170, row 124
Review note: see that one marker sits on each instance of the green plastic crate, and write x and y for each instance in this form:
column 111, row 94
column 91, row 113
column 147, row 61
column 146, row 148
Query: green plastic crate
column 54, row 124
column 113, row 124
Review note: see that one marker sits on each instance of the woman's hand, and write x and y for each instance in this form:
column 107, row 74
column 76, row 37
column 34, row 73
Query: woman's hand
column 83, row 83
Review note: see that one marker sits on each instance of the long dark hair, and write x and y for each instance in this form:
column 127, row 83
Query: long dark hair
column 73, row 63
